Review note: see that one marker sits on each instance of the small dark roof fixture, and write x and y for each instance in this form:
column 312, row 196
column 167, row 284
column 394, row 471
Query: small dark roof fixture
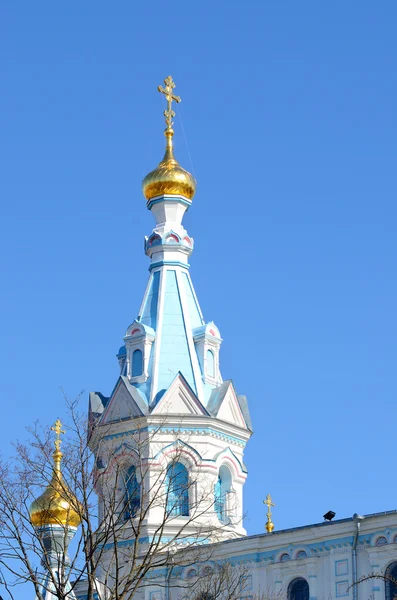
column 329, row 515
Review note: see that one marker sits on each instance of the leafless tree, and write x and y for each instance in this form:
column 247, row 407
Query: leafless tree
column 216, row 580
column 386, row 577
column 118, row 548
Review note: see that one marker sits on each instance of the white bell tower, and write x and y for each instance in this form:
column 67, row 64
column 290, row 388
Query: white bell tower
column 170, row 438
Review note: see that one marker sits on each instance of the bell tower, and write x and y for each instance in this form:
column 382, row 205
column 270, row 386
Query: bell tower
column 172, row 426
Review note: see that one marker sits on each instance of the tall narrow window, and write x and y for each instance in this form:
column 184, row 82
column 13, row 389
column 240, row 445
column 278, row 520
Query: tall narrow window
column 298, row 589
column 177, row 482
column 137, row 363
column 391, row 581
column 132, row 500
column 210, row 364
column 222, row 487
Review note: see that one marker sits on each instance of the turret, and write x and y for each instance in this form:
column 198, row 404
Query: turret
column 55, row 515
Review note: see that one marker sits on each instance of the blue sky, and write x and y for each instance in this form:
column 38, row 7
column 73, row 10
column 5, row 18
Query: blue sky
column 290, row 127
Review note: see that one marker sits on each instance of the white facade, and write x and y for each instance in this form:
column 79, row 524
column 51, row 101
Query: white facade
column 322, row 554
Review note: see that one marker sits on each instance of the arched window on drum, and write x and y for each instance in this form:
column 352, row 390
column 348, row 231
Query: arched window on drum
column 222, row 487
column 132, row 493
column 177, row 482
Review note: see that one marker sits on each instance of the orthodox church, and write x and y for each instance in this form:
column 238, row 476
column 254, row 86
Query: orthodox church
column 171, row 404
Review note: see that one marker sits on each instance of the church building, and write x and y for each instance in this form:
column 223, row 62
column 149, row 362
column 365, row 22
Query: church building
column 171, row 436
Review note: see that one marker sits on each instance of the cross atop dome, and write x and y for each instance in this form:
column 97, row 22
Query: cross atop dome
column 57, row 427
column 167, row 91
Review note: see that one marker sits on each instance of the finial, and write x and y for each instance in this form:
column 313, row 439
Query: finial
column 57, row 427
column 268, row 502
column 57, row 454
column 167, row 91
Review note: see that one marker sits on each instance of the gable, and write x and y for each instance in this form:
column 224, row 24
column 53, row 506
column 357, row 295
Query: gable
column 229, row 409
column 122, row 406
column 179, row 399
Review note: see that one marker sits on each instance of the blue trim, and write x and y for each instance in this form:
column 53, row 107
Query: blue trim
column 172, row 263
column 146, row 540
column 177, row 199
column 339, row 562
column 339, row 583
column 150, row 307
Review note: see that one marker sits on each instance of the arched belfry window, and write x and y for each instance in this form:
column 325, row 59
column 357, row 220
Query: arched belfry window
column 137, row 363
column 391, row 581
column 177, row 482
column 132, row 498
column 298, row 589
column 222, row 487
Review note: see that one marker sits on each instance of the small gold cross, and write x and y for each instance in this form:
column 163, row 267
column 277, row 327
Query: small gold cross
column 268, row 502
column 168, row 93
column 57, row 427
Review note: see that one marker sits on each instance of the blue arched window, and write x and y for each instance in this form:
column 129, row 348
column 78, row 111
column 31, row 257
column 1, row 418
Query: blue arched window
column 137, row 363
column 132, row 499
column 222, row 486
column 210, row 364
column 177, row 490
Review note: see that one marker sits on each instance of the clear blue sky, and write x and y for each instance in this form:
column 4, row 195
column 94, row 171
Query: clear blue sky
column 289, row 110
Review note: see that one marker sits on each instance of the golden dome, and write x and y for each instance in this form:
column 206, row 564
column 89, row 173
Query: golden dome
column 169, row 177
column 56, row 505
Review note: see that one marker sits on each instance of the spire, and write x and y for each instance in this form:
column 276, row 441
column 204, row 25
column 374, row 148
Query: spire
column 169, row 336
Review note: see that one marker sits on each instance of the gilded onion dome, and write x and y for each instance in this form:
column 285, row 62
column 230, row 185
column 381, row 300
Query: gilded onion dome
column 56, row 505
column 169, row 178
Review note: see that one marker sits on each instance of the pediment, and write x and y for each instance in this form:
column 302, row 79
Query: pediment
column 229, row 409
column 179, row 399
column 122, row 405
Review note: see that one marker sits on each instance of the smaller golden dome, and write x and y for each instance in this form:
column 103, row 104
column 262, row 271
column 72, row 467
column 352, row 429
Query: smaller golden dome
column 169, row 177
column 56, row 505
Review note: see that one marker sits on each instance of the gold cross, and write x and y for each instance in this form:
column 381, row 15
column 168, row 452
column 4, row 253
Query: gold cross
column 57, row 427
column 268, row 503
column 269, row 525
column 167, row 91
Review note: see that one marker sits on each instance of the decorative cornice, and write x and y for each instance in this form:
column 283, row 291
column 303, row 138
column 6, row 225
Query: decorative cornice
column 178, row 199
column 171, row 263
column 180, row 431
